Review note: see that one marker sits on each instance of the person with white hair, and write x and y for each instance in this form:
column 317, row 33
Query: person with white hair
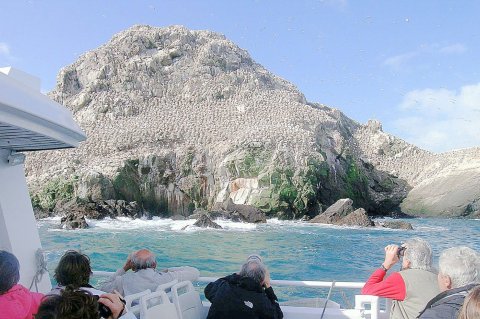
column 459, row 273
column 246, row 295
column 144, row 274
column 410, row 288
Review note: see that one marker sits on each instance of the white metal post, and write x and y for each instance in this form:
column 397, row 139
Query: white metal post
column 18, row 228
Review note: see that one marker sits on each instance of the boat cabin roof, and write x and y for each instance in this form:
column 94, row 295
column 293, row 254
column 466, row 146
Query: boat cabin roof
column 29, row 120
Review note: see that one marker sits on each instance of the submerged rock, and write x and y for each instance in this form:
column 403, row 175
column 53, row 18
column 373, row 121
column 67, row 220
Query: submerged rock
column 396, row 224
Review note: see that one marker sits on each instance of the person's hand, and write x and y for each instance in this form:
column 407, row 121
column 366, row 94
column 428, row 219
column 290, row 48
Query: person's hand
column 113, row 302
column 128, row 264
column 266, row 281
column 391, row 256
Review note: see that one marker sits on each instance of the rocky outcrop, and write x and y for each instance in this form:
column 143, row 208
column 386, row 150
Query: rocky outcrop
column 441, row 184
column 342, row 208
column 451, row 192
column 358, row 217
column 234, row 212
column 99, row 210
column 342, row 214
column 245, row 213
column 205, row 222
column 73, row 221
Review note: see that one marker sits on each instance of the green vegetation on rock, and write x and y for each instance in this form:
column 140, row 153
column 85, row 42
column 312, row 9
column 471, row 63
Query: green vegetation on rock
column 126, row 182
column 58, row 189
column 186, row 166
column 249, row 163
column 356, row 182
column 293, row 192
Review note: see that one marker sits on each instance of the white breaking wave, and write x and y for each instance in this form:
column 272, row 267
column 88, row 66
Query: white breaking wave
column 126, row 223
column 276, row 221
column 55, row 218
column 430, row 228
column 156, row 223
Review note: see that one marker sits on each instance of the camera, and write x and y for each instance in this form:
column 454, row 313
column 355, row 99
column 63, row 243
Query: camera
column 104, row 311
column 401, row 251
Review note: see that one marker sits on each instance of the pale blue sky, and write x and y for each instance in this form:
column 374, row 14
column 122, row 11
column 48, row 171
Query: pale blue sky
column 411, row 64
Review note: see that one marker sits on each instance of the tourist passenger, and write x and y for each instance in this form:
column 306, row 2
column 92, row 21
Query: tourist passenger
column 459, row 272
column 246, row 295
column 16, row 301
column 74, row 270
column 144, row 276
column 471, row 306
column 413, row 286
column 72, row 303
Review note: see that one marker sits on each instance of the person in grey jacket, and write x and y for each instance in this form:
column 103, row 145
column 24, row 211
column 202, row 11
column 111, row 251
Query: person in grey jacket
column 143, row 274
column 459, row 272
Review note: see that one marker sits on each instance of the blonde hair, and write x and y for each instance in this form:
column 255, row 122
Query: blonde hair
column 471, row 305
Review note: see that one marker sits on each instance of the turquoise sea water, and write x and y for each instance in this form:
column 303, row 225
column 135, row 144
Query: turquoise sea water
column 291, row 250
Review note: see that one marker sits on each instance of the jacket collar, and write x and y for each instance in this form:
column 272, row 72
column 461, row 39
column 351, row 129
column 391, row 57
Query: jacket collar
column 448, row 293
column 244, row 282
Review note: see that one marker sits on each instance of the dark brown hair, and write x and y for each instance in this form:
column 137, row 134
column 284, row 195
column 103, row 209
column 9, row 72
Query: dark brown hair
column 70, row 304
column 471, row 305
column 9, row 271
column 73, row 269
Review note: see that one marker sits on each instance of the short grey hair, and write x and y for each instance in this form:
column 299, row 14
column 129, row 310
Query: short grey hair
column 461, row 264
column 143, row 263
column 419, row 253
column 254, row 269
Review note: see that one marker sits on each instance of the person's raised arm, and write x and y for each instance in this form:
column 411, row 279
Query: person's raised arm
column 115, row 282
column 392, row 287
column 182, row 273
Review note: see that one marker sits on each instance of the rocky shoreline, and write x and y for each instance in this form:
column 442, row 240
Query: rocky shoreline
column 74, row 214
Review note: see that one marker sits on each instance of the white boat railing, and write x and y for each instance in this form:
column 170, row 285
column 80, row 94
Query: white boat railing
column 365, row 306
column 290, row 283
column 303, row 283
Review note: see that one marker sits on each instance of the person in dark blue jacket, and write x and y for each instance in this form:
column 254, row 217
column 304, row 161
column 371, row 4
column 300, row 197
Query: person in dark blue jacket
column 246, row 295
column 458, row 274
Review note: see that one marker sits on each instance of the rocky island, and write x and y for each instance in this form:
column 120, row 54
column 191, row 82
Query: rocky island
column 179, row 120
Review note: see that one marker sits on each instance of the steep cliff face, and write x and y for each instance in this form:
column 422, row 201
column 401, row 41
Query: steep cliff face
column 179, row 119
column 444, row 184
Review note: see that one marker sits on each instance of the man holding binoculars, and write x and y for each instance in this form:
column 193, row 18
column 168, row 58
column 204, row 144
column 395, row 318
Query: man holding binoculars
column 413, row 286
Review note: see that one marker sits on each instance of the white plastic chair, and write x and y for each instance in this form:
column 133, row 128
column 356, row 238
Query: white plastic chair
column 168, row 286
column 161, row 307
column 130, row 299
column 187, row 301
column 361, row 302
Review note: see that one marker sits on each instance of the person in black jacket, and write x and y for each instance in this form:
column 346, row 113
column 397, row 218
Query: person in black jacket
column 459, row 272
column 246, row 295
